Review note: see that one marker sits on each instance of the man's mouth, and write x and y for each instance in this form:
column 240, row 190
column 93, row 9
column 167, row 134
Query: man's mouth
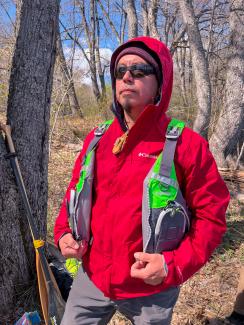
column 127, row 91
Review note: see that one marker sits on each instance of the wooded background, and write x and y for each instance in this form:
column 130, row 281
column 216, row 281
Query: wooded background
column 40, row 78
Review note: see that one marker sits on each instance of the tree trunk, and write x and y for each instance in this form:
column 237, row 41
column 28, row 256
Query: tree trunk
column 152, row 18
column 68, row 79
column 132, row 19
column 91, row 41
column 145, row 29
column 229, row 131
column 93, row 66
column 180, row 56
column 28, row 114
column 100, row 70
column 18, row 5
column 200, row 68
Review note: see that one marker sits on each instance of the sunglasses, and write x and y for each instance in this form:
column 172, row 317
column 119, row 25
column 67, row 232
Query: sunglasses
column 136, row 70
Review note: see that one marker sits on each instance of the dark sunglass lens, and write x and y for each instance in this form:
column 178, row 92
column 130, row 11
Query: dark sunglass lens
column 138, row 73
column 141, row 70
column 120, row 72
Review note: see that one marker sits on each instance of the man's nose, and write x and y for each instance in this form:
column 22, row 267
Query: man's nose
column 127, row 76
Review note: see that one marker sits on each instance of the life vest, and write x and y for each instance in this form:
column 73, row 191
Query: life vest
column 165, row 216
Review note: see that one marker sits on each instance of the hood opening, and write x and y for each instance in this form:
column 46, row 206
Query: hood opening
column 162, row 56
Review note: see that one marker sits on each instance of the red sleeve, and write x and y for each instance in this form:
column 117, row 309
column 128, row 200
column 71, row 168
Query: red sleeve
column 62, row 224
column 207, row 197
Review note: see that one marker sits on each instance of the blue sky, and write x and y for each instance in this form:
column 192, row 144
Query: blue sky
column 7, row 16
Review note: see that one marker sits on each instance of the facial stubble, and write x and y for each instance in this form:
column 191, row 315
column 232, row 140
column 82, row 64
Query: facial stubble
column 127, row 105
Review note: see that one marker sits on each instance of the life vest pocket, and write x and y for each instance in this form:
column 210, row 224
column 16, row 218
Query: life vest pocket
column 172, row 222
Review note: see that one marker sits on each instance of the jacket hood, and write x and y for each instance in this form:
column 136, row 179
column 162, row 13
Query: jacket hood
column 163, row 56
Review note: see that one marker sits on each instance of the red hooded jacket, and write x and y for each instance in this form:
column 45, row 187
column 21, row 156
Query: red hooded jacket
column 116, row 223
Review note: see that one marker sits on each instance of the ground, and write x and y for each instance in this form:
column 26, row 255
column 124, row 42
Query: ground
column 208, row 297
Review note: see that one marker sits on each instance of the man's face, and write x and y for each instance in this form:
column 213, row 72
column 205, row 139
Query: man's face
column 134, row 93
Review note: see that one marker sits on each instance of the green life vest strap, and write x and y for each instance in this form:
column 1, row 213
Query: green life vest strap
column 173, row 132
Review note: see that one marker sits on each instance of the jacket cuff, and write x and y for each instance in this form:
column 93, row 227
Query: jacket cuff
column 64, row 233
column 168, row 257
column 174, row 276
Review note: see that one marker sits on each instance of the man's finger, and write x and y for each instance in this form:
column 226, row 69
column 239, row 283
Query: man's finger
column 72, row 243
column 137, row 272
column 69, row 241
column 138, row 265
column 144, row 257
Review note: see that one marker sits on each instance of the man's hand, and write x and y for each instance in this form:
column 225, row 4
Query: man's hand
column 149, row 267
column 71, row 248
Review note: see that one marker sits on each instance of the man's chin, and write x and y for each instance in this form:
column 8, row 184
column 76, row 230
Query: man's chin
column 128, row 107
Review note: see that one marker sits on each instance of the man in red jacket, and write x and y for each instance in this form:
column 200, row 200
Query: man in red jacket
column 116, row 273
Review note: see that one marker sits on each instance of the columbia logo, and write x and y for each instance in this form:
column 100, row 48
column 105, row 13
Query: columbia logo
column 146, row 155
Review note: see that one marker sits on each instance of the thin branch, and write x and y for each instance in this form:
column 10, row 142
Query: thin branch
column 109, row 20
column 77, row 43
column 7, row 13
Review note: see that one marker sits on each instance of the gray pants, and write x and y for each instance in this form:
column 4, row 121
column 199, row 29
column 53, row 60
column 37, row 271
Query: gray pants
column 87, row 305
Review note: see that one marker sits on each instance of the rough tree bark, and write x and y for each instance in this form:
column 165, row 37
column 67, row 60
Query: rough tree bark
column 132, row 19
column 144, row 9
column 229, row 131
column 18, row 5
column 200, row 68
column 68, row 79
column 28, row 113
column 152, row 18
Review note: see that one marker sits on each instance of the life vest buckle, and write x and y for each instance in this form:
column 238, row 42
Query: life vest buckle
column 100, row 130
column 173, row 134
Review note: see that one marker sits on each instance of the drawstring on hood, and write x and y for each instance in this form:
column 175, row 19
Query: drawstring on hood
column 158, row 54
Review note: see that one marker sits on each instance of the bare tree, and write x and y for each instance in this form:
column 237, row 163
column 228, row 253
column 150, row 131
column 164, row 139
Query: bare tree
column 152, row 18
column 91, row 38
column 132, row 19
column 28, row 114
column 93, row 58
column 68, row 79
column 145, row 28
column 200, row 68
column 180, row 56
column 100, row 69
column 229, row 132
